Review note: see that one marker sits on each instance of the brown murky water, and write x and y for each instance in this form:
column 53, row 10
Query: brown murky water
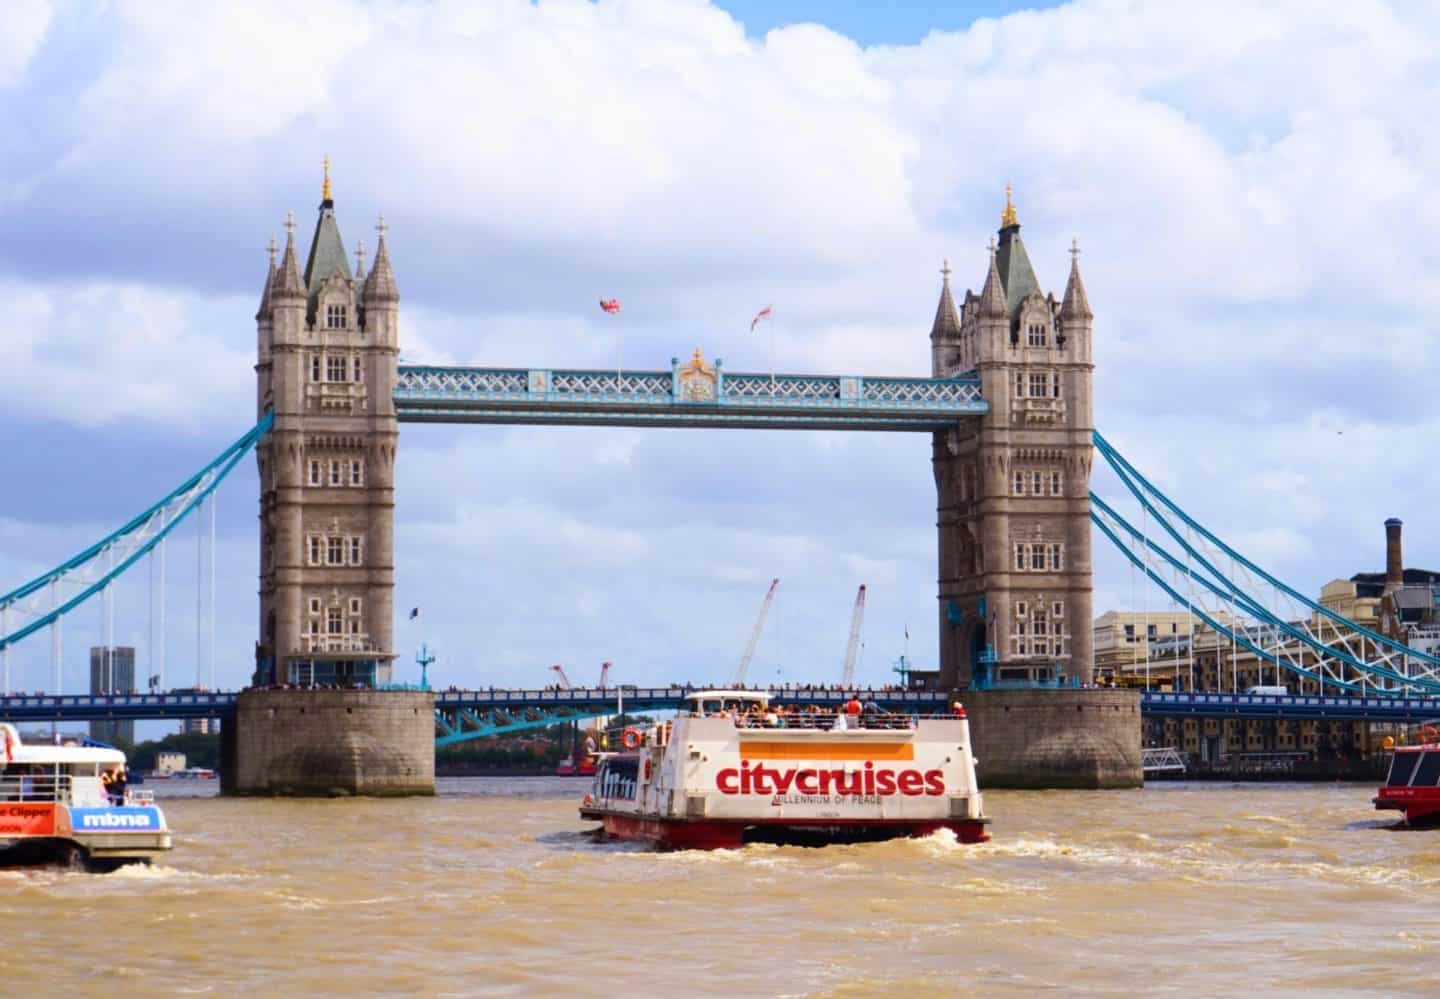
column 491, row 889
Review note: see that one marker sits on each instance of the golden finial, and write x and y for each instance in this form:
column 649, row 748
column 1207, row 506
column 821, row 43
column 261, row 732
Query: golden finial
column 1008, row 216
column 325, row 190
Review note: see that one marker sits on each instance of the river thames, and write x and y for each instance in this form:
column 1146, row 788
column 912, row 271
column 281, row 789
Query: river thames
column 492, row 888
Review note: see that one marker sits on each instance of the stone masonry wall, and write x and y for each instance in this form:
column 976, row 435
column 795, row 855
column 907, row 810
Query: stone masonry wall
column 333, row 742
column 1055, row 738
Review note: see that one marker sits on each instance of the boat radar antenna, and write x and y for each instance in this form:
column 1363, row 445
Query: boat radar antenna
column 423, row 659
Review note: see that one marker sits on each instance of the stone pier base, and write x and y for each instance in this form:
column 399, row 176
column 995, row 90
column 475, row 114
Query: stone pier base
column 1055, row 738
column 330, row 743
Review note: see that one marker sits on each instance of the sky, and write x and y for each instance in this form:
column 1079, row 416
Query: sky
column 1249, row 186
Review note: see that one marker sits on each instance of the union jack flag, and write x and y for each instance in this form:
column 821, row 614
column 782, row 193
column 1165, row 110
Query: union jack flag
column 762, row 314
column 610, row 305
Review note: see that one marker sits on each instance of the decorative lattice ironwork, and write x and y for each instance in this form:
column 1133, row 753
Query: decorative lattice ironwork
column 917, row 390
column 431, row 382
column 696, row 394
column 740, row 387
column 610, row 383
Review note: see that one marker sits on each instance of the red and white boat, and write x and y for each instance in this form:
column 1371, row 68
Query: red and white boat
column 1411, row 786
column 729, row 770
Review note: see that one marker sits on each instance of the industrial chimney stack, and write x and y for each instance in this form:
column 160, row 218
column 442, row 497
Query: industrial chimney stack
column 1394, row 557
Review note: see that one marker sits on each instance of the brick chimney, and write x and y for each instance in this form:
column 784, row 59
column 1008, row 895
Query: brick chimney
column 1394, row 557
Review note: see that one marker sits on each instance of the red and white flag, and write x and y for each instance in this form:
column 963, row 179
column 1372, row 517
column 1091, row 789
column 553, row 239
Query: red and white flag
column 610, row 305
column 762, row 314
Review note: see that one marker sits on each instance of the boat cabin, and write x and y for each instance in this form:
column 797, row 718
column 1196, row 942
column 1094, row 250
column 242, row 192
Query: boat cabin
column 66, row 774
column 709, row 703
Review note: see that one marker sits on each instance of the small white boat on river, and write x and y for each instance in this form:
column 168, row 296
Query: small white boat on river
column 730, row 770
column 56, row 808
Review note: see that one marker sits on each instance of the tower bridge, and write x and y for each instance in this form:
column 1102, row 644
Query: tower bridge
column 1008, row 404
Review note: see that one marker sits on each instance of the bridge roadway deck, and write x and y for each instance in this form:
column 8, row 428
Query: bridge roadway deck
column 683, row 397
column 221, row 704
column 161, row 707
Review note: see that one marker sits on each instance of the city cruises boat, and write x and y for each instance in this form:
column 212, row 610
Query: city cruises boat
column 1410, row 787
column 55, row 808
column 730, row 770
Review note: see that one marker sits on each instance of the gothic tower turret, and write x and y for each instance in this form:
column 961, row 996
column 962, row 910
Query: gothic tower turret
column 327, row 366
column 1014, row 490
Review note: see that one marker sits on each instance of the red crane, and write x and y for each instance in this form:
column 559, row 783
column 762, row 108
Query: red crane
column 563, row 681
column 604, row 672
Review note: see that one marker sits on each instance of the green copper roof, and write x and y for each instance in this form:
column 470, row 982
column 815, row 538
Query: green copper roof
column 327, row 254
column 1016, row 274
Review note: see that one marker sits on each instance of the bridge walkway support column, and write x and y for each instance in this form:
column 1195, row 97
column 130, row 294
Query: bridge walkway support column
column 328, row 743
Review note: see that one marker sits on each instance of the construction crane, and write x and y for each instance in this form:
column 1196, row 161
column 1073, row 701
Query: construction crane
column 857, row 618
column 604, row 672
column 755, row 635
column 563, row 680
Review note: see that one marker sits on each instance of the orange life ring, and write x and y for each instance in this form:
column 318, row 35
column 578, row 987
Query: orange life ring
column 1429, row 734
column 631, row 738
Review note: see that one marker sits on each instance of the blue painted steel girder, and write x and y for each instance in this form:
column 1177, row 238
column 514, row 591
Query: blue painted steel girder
column 683, row 397
column 1293, row 707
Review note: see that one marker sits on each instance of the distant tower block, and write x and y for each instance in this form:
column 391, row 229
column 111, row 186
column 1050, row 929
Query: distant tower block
column 1014, row 488
column 327, row 362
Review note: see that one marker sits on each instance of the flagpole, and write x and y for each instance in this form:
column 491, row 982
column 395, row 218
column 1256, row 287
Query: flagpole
column 772, row 356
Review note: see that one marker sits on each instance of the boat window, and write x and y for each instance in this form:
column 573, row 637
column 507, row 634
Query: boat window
column 1401, row 767
column 1427, row 774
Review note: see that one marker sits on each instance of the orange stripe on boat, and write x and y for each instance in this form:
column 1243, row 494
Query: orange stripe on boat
column 826, row 750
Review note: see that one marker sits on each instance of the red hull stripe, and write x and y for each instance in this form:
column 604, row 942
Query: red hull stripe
column 721, row 835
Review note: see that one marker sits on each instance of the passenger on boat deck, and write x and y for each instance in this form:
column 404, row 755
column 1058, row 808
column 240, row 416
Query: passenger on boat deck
column 772, row 720
column 853, row 707
column 117, row 786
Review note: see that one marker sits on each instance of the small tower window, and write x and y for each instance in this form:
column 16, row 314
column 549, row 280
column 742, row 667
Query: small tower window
column 1037, row 557
column 1019, row 483
column 335, row 317
column 314, row 367
column 355, row 606
column 1057, row 557
column 1019, row 558
column 1055, row 384
column 336, row 551
column 1036, row 336
column 335, row 369
column 1056, row 484
column 357, row 472
column 1039, row 384
column 337, row 476
column 315, row 553
column 335, row 621
column 314, row 472
column 356, row 549
column 1019, row 385
column 315, row 605
column 358, row 374
column 1037, row 484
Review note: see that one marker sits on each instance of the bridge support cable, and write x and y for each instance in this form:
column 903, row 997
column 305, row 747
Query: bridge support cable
column 1323, row 624
column 1109, row 523
column 94, row 569
column 1298, row 640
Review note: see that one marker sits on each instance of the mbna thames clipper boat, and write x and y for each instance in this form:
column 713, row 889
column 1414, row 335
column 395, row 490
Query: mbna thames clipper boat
column 729, row 770
column 55, row 808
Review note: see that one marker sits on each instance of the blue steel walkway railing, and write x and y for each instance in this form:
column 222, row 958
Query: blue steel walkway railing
column 1298, row 706
column 694, row 395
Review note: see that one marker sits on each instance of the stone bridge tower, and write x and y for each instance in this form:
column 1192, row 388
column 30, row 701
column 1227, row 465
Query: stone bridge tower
column 327, row 364
column 1014, row 486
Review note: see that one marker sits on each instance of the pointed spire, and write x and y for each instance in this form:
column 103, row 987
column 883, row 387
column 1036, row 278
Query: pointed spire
column 264, row 311
column 289, row 285
column 947, row 320
column 1076, row 304
column 1008, row 216
column 380, row 285
column 992, row 296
